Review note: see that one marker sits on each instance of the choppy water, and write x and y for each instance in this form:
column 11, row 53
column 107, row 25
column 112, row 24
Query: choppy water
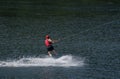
column 89, row 46
column 63, row 61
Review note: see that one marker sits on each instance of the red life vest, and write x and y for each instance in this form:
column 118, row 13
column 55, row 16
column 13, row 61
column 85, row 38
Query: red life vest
column 48, row 43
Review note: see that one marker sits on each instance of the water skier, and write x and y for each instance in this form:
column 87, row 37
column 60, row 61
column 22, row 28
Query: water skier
column 48, row 44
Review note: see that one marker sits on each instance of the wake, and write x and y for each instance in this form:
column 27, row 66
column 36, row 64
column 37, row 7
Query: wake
column 64, row 61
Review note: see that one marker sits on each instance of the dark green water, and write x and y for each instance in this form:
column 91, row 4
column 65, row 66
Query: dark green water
column 89, row 32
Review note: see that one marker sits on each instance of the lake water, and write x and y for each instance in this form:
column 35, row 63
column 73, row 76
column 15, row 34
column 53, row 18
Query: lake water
column 89, row 46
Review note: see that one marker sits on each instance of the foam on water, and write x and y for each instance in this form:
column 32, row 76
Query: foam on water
column 63, row 61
